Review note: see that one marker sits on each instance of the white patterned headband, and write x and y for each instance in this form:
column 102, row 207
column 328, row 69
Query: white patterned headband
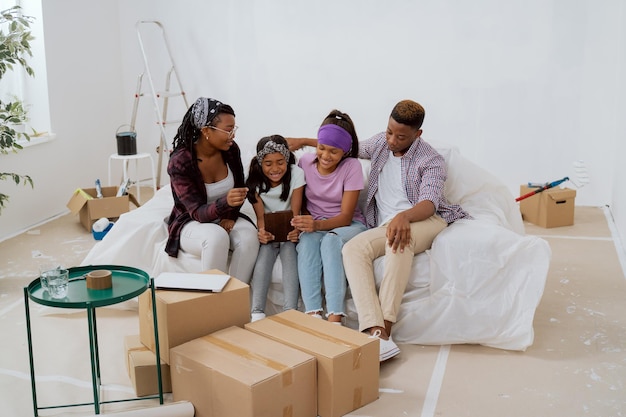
column 204, row 111
column 272, row 147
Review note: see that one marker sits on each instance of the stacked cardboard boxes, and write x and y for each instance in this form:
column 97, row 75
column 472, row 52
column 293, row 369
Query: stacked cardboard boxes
column 289, row 364
column 186, row 315
column 141, row 367
column 347, row 361
column 182, row 316
column 238, row 373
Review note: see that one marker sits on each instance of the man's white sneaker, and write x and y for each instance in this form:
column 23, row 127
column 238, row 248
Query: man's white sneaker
column 388, row 349
column 257, row 316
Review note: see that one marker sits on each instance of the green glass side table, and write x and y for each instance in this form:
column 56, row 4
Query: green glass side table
column 128, row 283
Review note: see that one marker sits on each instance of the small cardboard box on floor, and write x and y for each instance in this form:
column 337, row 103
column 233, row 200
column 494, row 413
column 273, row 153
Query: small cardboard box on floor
column 553, row 207
column 347, row 361
column 237, row 373
column 186, row 315
column 90, row 208
column 141, row 367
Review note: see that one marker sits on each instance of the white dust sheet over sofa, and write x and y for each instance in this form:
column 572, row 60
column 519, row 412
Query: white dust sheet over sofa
column 480, row 282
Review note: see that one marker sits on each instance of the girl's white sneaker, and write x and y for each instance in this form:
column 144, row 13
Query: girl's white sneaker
column 257, row 316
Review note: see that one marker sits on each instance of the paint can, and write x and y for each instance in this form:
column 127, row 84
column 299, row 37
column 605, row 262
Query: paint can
column 126, row 141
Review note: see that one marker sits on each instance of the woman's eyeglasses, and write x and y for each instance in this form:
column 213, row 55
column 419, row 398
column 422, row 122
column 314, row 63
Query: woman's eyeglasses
column 231, row 134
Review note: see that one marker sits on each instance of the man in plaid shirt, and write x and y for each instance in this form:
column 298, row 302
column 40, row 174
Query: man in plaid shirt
column 405, row 211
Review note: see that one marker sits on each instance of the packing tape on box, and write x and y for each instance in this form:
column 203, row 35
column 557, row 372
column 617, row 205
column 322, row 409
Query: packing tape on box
column 356, row 359
column 284, row 370
column 177, row 409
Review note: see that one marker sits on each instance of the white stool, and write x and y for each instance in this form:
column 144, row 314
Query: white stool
column 125, row 160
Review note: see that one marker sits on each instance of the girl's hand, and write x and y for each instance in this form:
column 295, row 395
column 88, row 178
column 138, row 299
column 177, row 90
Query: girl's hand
column 236, row 196
column 294, row 236
column 294, row 144
column 265, row 236
column 227, row 224
column 304, row 223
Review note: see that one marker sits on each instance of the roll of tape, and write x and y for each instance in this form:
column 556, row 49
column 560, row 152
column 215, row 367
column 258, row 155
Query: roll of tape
column 99, row 279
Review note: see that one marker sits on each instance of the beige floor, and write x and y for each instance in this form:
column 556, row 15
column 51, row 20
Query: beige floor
column 576, row 367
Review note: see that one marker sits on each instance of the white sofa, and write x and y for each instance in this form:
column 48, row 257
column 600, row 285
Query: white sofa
column 480, row 282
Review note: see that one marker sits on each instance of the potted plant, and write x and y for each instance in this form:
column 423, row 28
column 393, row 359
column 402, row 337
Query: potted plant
column 14, row 49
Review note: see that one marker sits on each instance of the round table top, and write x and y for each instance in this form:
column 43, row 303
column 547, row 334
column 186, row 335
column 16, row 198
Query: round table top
column 127, row 282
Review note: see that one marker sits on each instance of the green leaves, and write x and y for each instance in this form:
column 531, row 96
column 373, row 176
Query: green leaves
column 15, row 48
column 17, row 178
column 15, row 44
column 12, row 115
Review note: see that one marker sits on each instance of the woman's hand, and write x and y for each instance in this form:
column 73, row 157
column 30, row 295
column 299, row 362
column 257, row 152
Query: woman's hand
column 399, row 232
column 236, row 196
column 265, row 236
column 227, row 224
column 304, row 223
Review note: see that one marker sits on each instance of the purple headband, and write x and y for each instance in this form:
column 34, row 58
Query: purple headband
column 336, row 136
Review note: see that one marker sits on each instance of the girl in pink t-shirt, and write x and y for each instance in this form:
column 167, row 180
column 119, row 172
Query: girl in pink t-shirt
column 334, row 180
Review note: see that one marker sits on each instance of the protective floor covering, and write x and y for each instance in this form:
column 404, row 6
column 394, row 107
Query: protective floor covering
column 576, row 366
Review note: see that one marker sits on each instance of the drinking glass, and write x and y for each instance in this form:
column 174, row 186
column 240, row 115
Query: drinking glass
column 58, row 283
column 46, row 268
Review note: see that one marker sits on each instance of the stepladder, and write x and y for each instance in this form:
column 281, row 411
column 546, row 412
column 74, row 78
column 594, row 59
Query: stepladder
column 159, row 69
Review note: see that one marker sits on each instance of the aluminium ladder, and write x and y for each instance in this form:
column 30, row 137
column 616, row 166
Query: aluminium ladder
column 160, row 99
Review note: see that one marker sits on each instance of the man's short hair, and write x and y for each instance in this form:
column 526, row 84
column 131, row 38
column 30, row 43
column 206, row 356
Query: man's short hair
column 410, row 113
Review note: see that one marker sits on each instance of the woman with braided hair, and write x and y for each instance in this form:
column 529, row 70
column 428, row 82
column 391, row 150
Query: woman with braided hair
column 207, row 180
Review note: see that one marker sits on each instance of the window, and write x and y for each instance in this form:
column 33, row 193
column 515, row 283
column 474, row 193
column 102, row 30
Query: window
column 33, row 91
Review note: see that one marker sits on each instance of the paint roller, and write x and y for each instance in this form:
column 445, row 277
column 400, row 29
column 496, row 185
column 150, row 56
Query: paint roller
column 582, row 179
column 546, row 186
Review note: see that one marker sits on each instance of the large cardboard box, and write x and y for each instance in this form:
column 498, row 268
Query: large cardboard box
column 186, row 315
column 347, row 361
column 142, row 370
column 90, row 208
column 550, row 208
column 238, row 373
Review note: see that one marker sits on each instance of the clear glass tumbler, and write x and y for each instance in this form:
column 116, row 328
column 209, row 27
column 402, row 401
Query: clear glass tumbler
column 58, row 283
column 47, row 268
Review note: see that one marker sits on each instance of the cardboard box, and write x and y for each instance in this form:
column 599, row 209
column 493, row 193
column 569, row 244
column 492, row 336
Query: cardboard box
column 347, row 361
column 186, row 315
column 237, row 373
column 550, row 208
column 141, row 367
column 90, row 208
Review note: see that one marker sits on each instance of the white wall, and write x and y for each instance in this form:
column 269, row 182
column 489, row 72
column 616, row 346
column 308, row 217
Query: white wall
column 85, row 87
column 618, row 197
column 523, row 88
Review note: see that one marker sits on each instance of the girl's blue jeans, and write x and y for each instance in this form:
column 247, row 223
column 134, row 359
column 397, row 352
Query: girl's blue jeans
column 320, row 265
column 262, row 275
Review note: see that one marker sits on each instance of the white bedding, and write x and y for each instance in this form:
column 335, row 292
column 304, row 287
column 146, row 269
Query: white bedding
column 480, row 282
